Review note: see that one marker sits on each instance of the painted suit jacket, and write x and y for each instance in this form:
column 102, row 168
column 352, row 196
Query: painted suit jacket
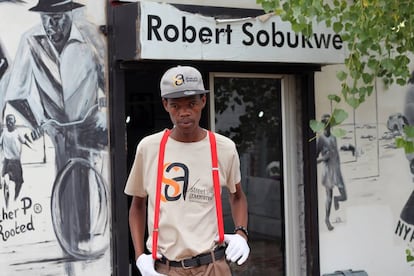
column 63, row 87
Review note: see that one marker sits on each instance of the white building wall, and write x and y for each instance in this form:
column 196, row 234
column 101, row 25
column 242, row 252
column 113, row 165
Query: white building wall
column 369, row 232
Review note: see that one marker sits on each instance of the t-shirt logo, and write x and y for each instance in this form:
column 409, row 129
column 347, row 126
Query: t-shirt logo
column 176, row 183
column 172, row 187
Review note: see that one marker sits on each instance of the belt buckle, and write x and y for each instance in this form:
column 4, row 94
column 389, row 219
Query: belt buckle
column 196, row 259
column 184, row 266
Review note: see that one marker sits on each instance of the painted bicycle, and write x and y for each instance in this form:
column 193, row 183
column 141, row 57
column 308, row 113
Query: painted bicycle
column 79, row 199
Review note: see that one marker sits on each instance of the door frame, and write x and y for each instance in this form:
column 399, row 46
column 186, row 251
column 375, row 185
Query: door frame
column 290, row 160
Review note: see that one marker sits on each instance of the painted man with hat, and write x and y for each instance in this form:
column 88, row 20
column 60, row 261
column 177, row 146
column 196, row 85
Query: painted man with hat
column 58, row 75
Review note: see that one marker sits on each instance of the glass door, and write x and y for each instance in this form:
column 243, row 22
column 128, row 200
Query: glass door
column 248, row 109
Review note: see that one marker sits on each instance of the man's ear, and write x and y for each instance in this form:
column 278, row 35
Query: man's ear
column 204, row 99
column 165, row 103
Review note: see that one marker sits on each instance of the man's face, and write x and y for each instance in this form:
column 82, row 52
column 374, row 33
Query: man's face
column 57, row 26
column 10, row 122
column 326, row 121
column 185, row 113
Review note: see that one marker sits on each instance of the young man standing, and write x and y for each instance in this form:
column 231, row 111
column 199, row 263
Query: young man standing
column 188, row 230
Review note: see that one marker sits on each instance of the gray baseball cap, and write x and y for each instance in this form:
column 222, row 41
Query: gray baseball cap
column 181, row 81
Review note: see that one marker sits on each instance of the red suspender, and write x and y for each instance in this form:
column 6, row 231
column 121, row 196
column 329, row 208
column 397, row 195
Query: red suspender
column 217, row 195
column 158, row 193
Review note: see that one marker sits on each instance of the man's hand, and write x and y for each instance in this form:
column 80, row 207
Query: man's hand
column 237, row 248
column 145, row 265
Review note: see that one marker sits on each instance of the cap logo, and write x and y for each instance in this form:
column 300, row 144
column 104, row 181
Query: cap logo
column 181, row 81
column 178, row 80
column 191, row 79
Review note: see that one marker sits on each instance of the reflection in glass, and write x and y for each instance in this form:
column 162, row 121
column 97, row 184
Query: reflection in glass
column 248, row 110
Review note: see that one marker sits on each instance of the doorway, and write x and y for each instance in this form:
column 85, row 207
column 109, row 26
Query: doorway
column 257, row 110
column 248, row 109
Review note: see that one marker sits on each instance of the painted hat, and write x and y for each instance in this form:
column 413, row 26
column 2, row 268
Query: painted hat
column 181, row 81
column 325, row 118
column 55, row 6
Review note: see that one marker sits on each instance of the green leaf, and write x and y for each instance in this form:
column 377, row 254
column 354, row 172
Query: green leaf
column 297, row 28
column 338, row 132
column 267, row 7
column 372, row 63
column 338, row 116
column 370, row 89
column 401, row 81
column 399, row 142
column 316, row 126
column 367, row 78
column 354, row 91
column 353, row 102
column 408, row 146
column 334, row 98
column 345, row 37
column 409, row 131
column 337, row 27
column 341, row 75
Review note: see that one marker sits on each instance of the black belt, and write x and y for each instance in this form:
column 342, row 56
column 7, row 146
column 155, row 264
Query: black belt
column 202, row 259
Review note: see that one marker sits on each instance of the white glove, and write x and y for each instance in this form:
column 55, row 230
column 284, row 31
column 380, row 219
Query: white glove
column 237, row 248
column 145, row 265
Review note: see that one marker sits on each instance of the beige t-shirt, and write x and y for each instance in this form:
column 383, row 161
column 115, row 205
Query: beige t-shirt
column 187, row 222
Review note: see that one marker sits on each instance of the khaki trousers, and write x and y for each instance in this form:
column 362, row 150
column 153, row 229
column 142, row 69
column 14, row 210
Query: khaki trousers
column 216, row 268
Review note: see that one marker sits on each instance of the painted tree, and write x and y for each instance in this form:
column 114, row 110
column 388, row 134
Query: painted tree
column 379, row 35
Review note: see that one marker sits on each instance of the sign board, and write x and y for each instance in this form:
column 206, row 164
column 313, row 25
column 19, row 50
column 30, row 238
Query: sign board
column 239, row 4
column 166, row 32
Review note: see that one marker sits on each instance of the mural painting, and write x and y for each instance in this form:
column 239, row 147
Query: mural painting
column 54, row 193
column 365, row 196
column 405, row 225
column 328, row 154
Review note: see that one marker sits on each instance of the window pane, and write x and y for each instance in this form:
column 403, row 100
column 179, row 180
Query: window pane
column 248, row 110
